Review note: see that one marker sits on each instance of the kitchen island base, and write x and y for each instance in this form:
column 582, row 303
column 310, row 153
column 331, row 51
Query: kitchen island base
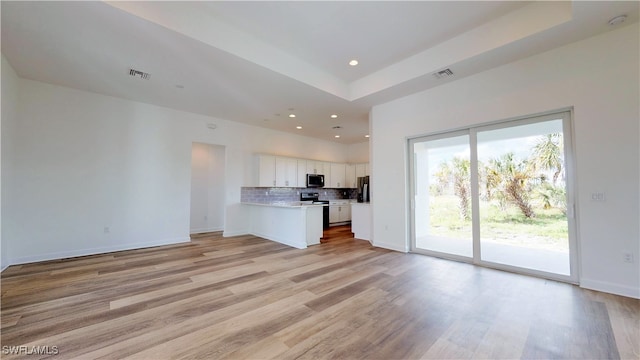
column 295, row 225
column 361, row 220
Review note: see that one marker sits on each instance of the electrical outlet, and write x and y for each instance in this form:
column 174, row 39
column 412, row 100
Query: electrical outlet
column 628, row 257
column 107, row 230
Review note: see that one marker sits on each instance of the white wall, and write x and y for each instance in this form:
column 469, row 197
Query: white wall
column 358, row 153
column 599, row 78
column 8, row 120
column 84, row 162
column 207, row 188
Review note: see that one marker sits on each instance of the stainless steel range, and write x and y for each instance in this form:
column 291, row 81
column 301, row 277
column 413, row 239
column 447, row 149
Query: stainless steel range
column 312, row 198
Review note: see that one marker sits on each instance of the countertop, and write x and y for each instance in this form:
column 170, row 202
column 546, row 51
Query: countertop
column 285, row 204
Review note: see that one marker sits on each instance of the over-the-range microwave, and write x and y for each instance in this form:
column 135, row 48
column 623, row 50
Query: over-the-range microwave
column 315, row 180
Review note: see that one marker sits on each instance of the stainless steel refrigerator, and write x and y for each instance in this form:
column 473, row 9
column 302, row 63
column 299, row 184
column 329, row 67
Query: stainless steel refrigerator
column 363, row 189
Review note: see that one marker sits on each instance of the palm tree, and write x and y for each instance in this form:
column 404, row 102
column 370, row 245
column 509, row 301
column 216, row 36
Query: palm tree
column 462, row 185
column 442, row 177
column 511, row 177
column 492, row 178
column 547, row 154
column 552, row 195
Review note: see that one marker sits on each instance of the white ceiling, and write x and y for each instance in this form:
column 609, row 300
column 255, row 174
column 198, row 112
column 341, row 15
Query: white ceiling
column 254, row 61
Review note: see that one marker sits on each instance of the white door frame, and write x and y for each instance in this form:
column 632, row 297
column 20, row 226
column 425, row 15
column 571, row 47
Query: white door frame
column 569, row 164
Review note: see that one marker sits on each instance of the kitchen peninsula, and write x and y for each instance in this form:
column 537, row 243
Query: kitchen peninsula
column 361, row 220
column 291, row 223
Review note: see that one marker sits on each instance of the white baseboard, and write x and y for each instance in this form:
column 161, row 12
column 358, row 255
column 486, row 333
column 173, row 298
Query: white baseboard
column 206, row 230
column 612, row 288
column 234, row 233
column 94, row 251
column 389, row 246
column 4, row 268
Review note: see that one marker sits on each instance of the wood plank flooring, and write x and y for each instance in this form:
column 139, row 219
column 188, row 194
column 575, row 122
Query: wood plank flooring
column 249, row 298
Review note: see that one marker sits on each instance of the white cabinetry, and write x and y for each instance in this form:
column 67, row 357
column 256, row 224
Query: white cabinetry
column 350, row 178
column 277, row 171
column 339, row 211
column 337, row 176
column 267, row 170
column 282, row 171
column 319, row 167
column 286, row 172
column 302, row 173
column 361, row 170
column 315, row 167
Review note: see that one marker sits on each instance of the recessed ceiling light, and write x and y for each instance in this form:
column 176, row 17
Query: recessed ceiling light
column 337, row 136
column 366, row 136
column 334, row 116
column 298, row 127
column 353, row 62
column 292, row 115
column 617, row 20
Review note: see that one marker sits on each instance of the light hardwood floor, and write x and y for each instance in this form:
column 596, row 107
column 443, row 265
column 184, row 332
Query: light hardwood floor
column 246, row 297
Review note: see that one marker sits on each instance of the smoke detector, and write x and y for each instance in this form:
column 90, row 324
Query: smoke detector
column 138, row 73
column 443, row 73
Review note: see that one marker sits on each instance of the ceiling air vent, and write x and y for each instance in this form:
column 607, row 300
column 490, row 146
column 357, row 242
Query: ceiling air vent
column 443, row 74
column 141, row 74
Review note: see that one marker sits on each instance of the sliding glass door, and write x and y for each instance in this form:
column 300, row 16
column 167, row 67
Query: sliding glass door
column 442, row 195
column 497, row 195
column 522, row 187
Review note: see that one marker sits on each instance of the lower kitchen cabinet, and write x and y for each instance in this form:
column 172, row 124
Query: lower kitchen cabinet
column 339, row 212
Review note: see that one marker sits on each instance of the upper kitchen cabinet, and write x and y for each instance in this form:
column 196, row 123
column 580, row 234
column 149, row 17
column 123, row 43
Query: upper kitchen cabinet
column 350, row 178
column 266, row 170
column 361, row 170
column 313, row 167
column 280, row 171
column 286, row 172
column 302, row 173
column 338, row 172
column 277, row 171
column 319, row 167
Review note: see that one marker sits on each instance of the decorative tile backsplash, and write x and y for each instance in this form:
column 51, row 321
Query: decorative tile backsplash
column 273, row 194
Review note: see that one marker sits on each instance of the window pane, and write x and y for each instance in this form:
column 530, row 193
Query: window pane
column 442, row 215
column 522, row 193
